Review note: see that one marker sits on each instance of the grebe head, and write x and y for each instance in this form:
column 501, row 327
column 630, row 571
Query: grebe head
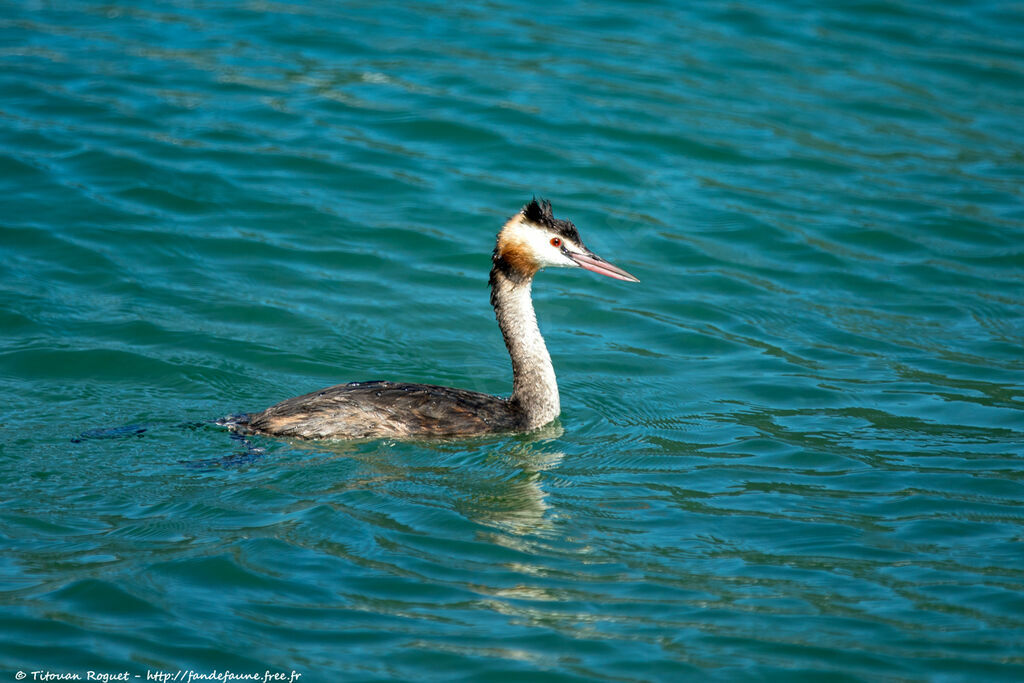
column 534, row 239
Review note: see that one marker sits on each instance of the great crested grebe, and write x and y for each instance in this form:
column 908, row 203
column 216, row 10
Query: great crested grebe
column 530, row 240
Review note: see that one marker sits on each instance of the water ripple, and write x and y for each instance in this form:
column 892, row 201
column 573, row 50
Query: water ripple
column 792, row 451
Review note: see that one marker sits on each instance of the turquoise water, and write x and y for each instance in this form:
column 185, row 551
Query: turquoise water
column 794, row 451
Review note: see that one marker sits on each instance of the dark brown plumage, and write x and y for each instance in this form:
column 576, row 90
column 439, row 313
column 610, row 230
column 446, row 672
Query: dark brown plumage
column 367, row 410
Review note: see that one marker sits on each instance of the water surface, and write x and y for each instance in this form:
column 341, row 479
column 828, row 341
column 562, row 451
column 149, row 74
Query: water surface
column 793, row 451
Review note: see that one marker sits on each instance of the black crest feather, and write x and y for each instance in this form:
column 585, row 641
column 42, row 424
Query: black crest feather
column 539, row 212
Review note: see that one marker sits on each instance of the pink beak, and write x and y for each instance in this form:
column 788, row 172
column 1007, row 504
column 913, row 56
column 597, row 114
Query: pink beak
column 595, row 263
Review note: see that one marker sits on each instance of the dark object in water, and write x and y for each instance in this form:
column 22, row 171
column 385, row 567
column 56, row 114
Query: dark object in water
column 249, row 453
column 110, row 433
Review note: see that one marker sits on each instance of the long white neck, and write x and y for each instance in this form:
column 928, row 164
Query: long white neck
column 534, row 389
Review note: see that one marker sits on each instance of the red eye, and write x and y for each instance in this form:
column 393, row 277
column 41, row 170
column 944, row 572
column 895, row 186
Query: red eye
column 555, row 242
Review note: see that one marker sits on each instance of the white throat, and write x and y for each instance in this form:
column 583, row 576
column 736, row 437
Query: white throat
column 534, row 387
